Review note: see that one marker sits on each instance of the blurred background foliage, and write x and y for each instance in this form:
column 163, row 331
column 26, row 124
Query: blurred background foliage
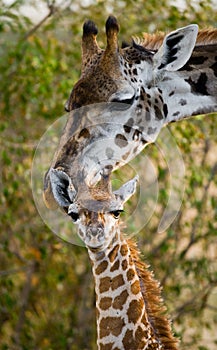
column 46, row 286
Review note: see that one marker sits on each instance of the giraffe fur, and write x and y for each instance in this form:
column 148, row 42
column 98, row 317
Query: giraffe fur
column 125, row 96
column 129, row 309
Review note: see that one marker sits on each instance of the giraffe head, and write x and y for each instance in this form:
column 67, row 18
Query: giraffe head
column 129, row 74
column 156, row 85
column 94, row 210
column 101, row 75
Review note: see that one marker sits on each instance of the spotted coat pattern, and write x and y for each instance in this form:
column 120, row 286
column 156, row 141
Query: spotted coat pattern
column 128, row 302
column 122, row 319
column 126, row 95
column 144, row 88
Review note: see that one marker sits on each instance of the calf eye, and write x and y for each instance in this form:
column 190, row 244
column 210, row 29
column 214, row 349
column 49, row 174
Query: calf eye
column 116, row 213
column 74, row 216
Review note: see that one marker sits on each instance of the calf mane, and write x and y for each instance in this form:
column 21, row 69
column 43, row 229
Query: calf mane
column 151, row 292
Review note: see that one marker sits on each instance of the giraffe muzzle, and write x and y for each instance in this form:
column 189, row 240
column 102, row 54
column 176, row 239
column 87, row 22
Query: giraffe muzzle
column 94, row 237
column 95, row 231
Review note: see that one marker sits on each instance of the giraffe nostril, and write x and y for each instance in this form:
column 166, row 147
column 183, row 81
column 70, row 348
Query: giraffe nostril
column 94, row 231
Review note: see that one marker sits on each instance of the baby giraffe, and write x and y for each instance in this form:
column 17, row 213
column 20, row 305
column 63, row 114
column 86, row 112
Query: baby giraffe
column 129, row 308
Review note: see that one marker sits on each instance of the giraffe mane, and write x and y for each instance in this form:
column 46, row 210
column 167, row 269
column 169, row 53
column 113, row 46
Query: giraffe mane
column 206, row 36
column 151, row 292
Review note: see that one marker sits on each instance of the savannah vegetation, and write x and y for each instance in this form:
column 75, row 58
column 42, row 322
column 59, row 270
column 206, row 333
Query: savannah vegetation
column 46, row 287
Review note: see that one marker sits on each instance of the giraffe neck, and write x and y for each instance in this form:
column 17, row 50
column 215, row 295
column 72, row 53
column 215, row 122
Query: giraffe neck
column 127, row 301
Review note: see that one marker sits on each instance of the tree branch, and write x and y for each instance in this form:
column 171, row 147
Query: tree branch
column 197, row 302
column 196, row 223
column 13, row 271
column 52, row 10
column 24, row 298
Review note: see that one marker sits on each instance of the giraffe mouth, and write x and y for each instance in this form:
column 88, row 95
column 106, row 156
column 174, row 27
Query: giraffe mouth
column 95, row 249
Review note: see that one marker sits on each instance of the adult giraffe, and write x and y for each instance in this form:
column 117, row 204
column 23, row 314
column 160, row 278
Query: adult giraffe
column 148, row 87
column 130, row 314
column 127, row 95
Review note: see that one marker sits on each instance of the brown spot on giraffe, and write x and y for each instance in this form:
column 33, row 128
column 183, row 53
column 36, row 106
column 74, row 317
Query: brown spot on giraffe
column 130, row 274
column 135, row 310
column 130, row 342
column 135, row 288
column 124, row 265
column 139, row 334
column 115, row 266
column 158, row 113
column 104, row 284
column 121, row 141
column 126, row 155
column 127, row 128
column 124, row 250
column 105, row 303
column 171, row 93
column 165, row 110
column 199, row 86
column 107, row 282
column 101, row 267
column 130, row 122
column 113, row 254
column 120, row 300
column 84, row 133
column 144, row 141
column 100, row 256
column 108, row 346
column 117, row 281
column 111, row 325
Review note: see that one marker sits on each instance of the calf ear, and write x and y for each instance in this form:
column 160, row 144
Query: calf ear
column 127, row 190
column 176, row 49
column 62, row 187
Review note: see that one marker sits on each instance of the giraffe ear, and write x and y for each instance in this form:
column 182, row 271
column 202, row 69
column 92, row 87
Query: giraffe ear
column 127, row 190
column 62, row 187
column 176, row 49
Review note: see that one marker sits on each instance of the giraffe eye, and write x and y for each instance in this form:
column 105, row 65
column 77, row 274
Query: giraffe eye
column 116, row 213
column 128, row 101
column 74, row 216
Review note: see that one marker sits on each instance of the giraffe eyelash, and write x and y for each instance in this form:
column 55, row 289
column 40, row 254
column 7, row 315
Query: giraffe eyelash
column 116, row 213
